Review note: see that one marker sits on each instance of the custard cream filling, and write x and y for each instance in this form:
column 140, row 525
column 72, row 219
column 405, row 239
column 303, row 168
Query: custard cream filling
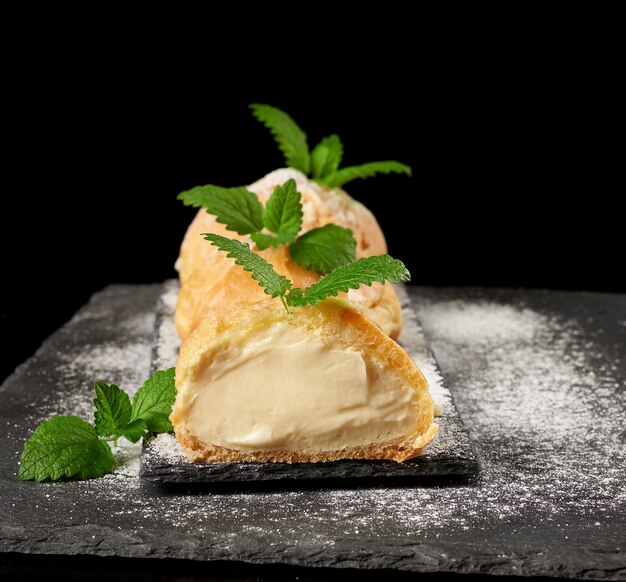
column 292, row 389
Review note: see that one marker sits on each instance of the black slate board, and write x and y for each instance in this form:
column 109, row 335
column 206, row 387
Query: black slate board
column 449, row 455
column 545, row 407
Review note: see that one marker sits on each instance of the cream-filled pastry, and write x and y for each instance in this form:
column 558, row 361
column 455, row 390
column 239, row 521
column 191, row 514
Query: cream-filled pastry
column 318, row 384
column 209, row 281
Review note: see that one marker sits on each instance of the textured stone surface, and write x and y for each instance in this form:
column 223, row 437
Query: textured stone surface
column 450, row 454
column 545, row 407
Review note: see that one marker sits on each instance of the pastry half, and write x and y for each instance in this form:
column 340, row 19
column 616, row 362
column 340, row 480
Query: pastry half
column 210, row 281
column 319, row 384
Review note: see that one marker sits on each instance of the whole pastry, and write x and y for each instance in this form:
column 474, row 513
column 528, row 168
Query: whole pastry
column 210, row 282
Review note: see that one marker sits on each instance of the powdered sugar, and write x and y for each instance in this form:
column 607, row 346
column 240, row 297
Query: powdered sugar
column 521, row 364
column 486, row 323
column 414, row 341
column 167, row 341
column 543, row 398
column 167, row 448
column 526, row 378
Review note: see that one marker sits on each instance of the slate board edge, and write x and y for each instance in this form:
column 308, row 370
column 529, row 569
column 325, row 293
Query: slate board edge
column 359, row 553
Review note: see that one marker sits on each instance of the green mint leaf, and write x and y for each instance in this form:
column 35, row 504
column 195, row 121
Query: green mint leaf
column 134, row 430
column 283, row 211
column 159, row 423
column 263, row 241
column 275, row 285
column 365, row 271
column 113, row 414
column 326, row 157
column 237, row 208
column 290, row 138
column 324, row 249
column 64, row 447
column 345, row 175
column 113, row 409
column 154, row 400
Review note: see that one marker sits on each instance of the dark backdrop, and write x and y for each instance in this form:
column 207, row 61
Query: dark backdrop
column 516, row 173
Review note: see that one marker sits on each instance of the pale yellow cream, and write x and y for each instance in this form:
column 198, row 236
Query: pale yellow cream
column 290, row 389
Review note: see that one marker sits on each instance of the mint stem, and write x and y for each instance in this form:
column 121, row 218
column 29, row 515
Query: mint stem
column 282, row 298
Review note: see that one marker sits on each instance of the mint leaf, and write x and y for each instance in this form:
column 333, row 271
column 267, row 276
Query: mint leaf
column 365, row 271
column 134, row 430
column 113, row 414
column 153, row 401
column 237, row 208
column 275, row 285
column 64, row 447
column 263, row 240
column 283, row 211
column 324, row 249
column 290, row 138
column 326, row 157
column 345, row 175
column 159, row 423
column 113, row 409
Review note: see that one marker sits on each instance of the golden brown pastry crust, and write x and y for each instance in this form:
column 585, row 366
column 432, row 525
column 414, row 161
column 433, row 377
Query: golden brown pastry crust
column 335, row 318
column 210, row 281
column 399, row 451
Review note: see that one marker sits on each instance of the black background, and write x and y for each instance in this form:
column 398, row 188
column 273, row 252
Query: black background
column 515, row 147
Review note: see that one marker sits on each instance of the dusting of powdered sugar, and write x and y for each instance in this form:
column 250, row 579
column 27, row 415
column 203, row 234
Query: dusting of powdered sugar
column 123, row 365
column 525, row 378
column 486, row 323
column 167, row 448
column 525, row 390
column 167, row 342
column 541, row 401
column 413, row 340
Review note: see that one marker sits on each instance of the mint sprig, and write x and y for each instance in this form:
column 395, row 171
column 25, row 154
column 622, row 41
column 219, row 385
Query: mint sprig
column 113, row 414
column 290, row 138
column 68, row 447
column 365, row 271
column 326, row 157
column 279, row 223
